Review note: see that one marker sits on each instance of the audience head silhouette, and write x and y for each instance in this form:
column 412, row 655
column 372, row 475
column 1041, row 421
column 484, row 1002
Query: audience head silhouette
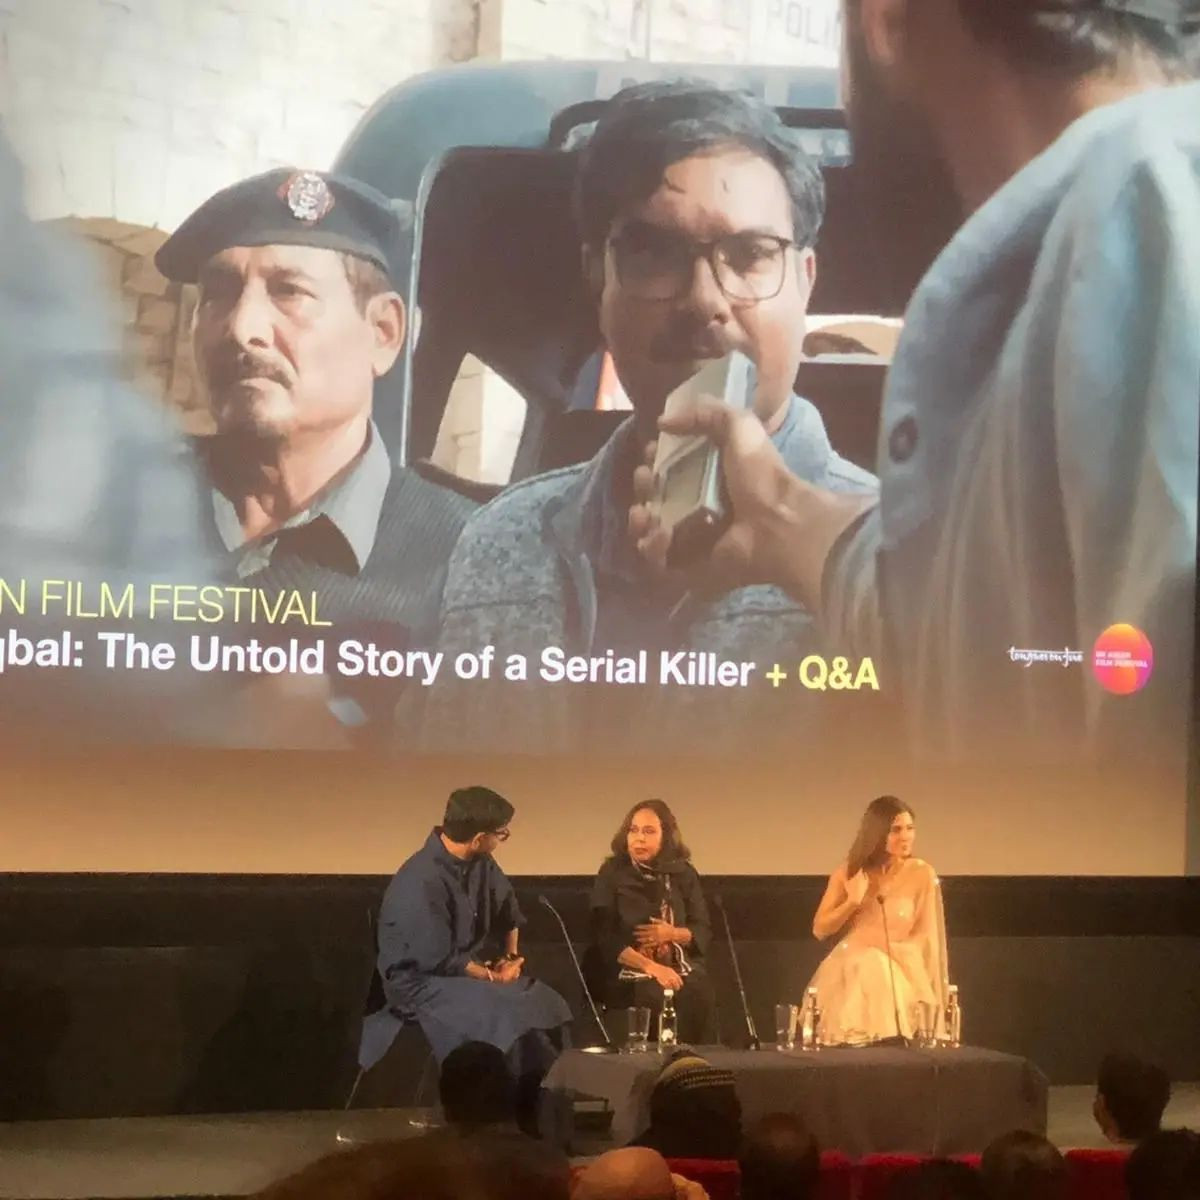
column 476, row 1087
column 1131, row 1095
column 634, row 1173
column 1023, row 1166
column 1166, row 1166
column 442, row 1166
column 938, row 1179
column 779, row 1160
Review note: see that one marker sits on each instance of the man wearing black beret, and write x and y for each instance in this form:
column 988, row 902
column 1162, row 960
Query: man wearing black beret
column 297, row 316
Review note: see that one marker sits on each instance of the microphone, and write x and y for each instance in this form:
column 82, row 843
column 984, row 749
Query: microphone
column 899, row 1039
column 608, row 1047
column 755, row 1044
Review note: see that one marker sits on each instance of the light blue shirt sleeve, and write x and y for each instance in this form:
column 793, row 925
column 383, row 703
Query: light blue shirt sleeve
column 1048, row 386
column 1126, row 395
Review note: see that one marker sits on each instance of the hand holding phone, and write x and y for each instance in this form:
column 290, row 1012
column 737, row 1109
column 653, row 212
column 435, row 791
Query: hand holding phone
column 690, row 498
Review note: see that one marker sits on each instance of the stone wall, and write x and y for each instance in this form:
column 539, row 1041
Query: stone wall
column 138, row 109
column 156, row 314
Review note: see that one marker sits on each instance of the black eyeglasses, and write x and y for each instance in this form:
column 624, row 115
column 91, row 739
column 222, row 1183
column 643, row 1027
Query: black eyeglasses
column 501, row 835
column 655, row 265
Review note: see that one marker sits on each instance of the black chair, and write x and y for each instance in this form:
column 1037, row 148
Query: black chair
column 374, row 1012
column 848, row 393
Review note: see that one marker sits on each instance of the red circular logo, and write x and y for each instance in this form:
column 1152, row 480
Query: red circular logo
column 1122, row 659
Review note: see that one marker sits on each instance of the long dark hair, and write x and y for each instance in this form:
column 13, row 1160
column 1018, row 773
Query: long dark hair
column 869, row 848
column 673, row 847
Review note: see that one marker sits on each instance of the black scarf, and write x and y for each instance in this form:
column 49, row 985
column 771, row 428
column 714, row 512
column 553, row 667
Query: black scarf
column 659, row 879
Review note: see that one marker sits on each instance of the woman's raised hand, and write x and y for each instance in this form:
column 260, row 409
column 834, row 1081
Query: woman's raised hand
column 856, row 887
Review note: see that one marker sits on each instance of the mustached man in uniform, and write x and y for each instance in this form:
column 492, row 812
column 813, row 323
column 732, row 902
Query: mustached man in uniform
column 297, row 317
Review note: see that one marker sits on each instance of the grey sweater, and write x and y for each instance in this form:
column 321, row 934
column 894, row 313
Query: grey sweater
column 547, row 564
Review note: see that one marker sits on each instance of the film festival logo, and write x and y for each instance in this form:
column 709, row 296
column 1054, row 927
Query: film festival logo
column 1122, row 659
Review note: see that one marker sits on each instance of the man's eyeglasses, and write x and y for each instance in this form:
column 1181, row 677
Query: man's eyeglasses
column 501, row 835
column 652, row 264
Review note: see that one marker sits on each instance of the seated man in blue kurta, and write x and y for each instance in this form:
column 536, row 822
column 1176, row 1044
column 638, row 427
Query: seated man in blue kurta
column 448, row 946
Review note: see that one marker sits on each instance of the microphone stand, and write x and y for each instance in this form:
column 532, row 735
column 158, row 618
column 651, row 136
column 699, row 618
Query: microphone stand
column 608, row 1047
column 899, row 1039
column 755, row 1044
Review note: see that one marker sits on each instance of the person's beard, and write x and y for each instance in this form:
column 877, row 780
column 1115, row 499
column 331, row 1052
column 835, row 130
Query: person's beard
column 901, row 179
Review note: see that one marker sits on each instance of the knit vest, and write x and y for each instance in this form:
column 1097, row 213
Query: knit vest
column 401, row 581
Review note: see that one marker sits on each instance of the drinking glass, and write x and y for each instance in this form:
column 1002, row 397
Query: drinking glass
column 638, row 1030
column 785, row 1027
column 922, row 1023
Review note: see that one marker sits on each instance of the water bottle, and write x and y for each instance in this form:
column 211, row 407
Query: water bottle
column 667, row 1021
column 953, row 1017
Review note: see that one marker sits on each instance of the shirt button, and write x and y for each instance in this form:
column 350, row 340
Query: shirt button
column 902, row 441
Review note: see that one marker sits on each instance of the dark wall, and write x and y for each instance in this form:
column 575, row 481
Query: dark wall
column 125, row 995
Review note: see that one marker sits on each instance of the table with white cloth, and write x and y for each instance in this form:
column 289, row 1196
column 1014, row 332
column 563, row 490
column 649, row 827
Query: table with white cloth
column 863, row 1100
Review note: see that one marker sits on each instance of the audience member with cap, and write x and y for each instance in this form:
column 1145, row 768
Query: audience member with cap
column 1131, row 1096
column 449, row 960
column 297, row 317
column 694, row 1110
column 779, row 1160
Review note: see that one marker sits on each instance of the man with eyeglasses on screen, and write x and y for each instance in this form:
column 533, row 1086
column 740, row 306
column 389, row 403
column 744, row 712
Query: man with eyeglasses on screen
column 449, row 932
column 698, row 212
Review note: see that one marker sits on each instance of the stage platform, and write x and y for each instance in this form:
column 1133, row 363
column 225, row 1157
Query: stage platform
column 139, row 1158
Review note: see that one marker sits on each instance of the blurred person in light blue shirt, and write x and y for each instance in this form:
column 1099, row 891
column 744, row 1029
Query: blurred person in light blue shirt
column 98, row 486
column 1038, row 442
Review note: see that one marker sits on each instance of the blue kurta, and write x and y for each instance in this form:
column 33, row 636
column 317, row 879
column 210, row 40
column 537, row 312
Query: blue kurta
column 439, row 913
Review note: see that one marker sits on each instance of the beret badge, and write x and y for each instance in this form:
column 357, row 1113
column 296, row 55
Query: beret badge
column 307, row 196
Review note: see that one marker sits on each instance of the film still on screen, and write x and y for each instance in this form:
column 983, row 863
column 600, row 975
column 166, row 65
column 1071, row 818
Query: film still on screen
column 732, row 517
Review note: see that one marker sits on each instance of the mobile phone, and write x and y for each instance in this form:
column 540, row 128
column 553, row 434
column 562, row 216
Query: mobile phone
column 690, row 499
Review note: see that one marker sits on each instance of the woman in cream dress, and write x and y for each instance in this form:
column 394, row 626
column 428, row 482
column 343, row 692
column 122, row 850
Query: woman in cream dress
column 881, row 881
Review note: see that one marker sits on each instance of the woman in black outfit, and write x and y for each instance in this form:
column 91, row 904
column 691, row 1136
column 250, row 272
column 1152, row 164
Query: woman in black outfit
column 650, row 928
